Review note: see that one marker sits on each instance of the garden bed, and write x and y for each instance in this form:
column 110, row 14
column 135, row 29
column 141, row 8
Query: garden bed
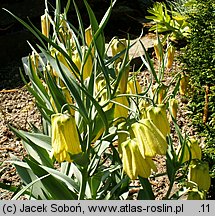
column 18, row 109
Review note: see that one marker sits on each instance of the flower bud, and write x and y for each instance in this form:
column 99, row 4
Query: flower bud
column 88, row 66
column 199, row 174
column 65, row 138
column 117, row 46
column 159, row 118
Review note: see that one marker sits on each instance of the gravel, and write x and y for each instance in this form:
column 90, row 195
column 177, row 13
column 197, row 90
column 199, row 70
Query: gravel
column 17, row 108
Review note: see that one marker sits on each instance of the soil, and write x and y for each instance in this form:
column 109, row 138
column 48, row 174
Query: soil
column 17, row 108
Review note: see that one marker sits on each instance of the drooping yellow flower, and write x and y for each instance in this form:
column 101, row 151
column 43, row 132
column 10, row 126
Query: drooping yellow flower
column 159, row 118
column 117, row 46
column 61, row 58
column 158, row 50
column 170, row 56
column 183, row 84
column 196, row 152
column 134, row 86
column 199, row 174
column 134, row 164
column 88, row 65
column 173, row 107
column 89, row 38
column 151, row 140
column 121, row 111
column 161, row 93
column 65, row 139
column 45, row 24
column 34, row 58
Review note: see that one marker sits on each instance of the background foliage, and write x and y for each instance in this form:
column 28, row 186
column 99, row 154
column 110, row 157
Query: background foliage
column 198, row 62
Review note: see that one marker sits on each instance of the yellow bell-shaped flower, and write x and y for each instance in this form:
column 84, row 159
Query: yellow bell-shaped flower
column 199, row 174
column 89, row 38
column 134, row 86
column 161, row 93
column 61, row 58
column 101, row 94
column 151, row 140
column 117, row 46
column 170, row 56
column 45, row 24
column 134, row 164
column 159, row 118
column 88, row 65
column 196, row 152
column 158, row 50
column 121, row 111
column 183, row 84
column 65, row 139
column 34, row 58
column 173, row 107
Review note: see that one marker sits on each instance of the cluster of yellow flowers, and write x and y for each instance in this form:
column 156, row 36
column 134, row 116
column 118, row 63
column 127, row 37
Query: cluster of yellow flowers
column 65, row 137
column 147, row 139
column 144, row 139
column 199, row 180
column 65, row 36
column 159, row 52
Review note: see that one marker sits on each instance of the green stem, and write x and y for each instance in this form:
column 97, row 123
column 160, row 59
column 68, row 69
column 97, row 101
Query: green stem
column 170, row 187
column 83, row 185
